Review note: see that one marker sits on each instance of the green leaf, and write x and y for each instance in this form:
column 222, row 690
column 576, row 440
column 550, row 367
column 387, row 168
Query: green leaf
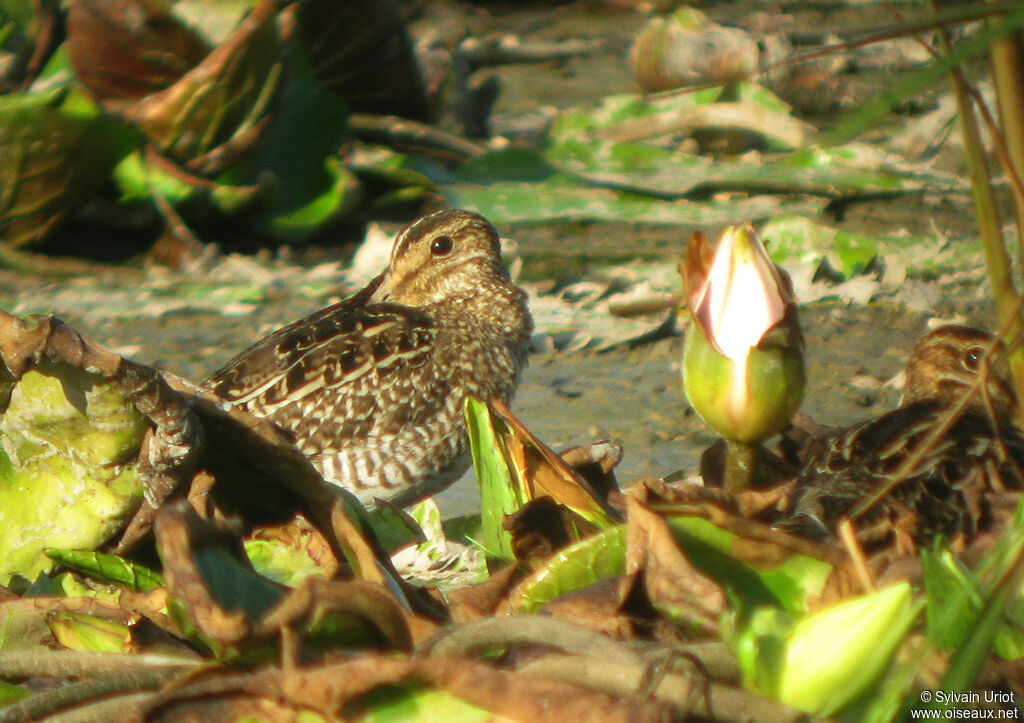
column 506, row 164
column 709, row 548
column 384, row 165
column 968, row 658
column 497, row 493
column 1009, row 640
column 10, row 693
column 563, row 198
column 759, row 643
column 19, row 13
column 615, row 110
column 648, row 168
column 107, row 567
column 575, row 566
column 835, row 654
column 796, row 580
column 1003, row 565
column 71, row 438
column 340, row 196
column 138, row 181
column 953, row 600
column 799, row 240
column 412, row 704
column 77, row 631
column 790, row 584
column 311, row 186
column 233, row 585
column 286, row 564
column 52, row 160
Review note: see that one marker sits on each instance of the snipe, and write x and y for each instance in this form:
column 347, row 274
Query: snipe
column 373, row 387
column 955, row 487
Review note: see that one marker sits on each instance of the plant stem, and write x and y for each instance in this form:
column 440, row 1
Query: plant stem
column 740, row 465
column 1007, row 59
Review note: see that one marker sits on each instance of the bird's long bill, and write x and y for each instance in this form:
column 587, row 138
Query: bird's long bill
column 735, row 294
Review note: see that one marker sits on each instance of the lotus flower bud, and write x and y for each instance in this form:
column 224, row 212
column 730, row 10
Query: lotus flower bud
column 743, row 359
column 833, row 655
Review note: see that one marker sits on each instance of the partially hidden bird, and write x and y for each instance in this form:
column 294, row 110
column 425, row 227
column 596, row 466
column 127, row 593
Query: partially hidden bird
column 962, row 475
column 372, row 388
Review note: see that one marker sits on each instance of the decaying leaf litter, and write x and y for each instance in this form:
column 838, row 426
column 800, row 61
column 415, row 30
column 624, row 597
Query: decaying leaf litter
column 645, row 587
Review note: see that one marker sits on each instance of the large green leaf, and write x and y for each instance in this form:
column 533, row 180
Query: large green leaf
column 601, row 555
column 310, row 186
column 65, row 477
column 223, row 97
column 563, row 198
column 788, row 585
column 53, row 158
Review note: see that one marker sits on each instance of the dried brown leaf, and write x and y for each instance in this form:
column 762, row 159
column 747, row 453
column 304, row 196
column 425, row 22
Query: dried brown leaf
column 127, row 49
column 179, row 534
column 474, row 602
column 670, row 579
column 539, row 471
column 376, row 609
column 329, row 688
column 607, row 606
column 222, row 97
column 370, row 562
column 541, row 527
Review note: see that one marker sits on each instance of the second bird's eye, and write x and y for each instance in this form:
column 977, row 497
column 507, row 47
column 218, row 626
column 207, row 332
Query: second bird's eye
column 973, row 357
column 441, row 246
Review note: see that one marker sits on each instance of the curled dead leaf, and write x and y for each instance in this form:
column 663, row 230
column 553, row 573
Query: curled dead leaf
column 672, row 583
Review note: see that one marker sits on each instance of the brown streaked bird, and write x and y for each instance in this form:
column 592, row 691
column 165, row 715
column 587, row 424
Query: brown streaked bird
column 372, row 388
column 954, row 489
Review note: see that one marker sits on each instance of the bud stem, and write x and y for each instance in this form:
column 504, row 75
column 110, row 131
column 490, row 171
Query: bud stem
column 741, row 464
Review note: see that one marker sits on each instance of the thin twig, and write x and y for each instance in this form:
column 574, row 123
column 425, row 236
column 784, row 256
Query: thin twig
column 490, row 633
column 51, row 701
column 857, row 559
column 405, row 133
column 42, row 662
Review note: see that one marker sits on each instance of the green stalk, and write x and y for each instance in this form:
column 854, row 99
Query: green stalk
column 741, row 462
column 987, row 212
column 1007, row 60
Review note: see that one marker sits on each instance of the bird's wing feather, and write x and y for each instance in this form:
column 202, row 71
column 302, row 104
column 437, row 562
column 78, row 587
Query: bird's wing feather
column 337, row 365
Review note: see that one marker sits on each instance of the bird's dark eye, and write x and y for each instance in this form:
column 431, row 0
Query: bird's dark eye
column 972, row 359
column 441, row 246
